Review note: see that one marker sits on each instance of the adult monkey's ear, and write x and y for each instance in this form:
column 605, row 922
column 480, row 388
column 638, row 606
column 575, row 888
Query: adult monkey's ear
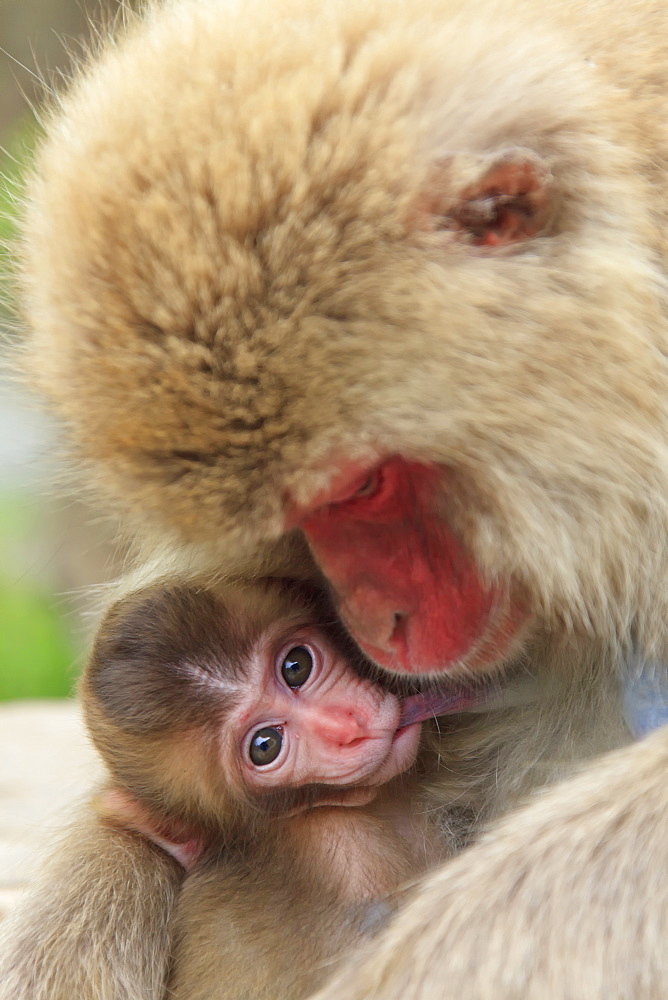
column 489, row 200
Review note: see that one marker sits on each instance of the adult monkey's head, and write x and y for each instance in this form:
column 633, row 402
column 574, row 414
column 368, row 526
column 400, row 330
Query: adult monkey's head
column 347, row 275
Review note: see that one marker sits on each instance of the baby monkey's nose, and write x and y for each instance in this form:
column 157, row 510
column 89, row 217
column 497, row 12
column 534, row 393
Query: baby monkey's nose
column 341, row 726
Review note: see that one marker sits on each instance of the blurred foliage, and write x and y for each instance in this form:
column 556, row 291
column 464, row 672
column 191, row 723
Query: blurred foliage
column 15, row 154
column 36, row 651
column 42, row 553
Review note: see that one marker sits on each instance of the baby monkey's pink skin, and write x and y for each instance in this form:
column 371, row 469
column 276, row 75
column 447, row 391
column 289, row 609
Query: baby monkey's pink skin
column 337, row 728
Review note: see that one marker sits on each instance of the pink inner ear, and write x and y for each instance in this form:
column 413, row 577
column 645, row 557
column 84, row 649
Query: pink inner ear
column 510, row 200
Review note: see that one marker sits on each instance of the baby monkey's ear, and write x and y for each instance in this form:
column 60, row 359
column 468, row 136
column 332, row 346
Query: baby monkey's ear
column 119, row 808
column 489, row 200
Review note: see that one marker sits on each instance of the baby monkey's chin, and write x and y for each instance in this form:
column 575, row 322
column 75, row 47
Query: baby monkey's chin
column 401, row 755
column 350, row 797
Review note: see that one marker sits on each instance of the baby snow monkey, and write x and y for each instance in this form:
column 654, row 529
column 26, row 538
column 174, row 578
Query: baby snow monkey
column 241, row 739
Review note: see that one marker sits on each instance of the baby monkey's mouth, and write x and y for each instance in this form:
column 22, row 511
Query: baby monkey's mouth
column 430, row 704
column 519, row 690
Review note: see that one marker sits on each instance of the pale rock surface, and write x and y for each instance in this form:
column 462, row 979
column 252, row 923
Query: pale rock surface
column 46, row 766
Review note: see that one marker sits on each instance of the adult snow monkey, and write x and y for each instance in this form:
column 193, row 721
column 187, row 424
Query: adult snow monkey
column 377, row 292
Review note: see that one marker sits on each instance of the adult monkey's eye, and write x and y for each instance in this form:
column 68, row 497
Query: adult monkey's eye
column 369, row 487
column 362, row 488
column 265, row 746
column 297, row 666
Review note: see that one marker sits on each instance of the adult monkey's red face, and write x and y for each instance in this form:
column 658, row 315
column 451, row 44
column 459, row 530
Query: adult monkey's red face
column 407, row 589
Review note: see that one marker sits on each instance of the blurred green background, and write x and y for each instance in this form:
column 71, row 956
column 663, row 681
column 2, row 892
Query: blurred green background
column 54, row 552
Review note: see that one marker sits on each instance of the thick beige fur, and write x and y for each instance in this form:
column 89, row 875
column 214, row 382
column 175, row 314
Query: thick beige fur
column 229, row 280
column 97, row 923
column 551, row 904
column 272, row 918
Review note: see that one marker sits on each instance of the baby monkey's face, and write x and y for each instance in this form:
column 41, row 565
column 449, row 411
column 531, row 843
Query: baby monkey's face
column 307, row 718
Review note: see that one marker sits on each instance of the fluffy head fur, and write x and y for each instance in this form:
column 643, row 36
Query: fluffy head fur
column 229, row 283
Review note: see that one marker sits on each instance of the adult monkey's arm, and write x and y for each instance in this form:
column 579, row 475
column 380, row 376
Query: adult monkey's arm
column 565, row 898
column 96, row 923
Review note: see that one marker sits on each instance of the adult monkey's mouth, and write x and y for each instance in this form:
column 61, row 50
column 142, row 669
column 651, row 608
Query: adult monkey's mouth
column 506, row 625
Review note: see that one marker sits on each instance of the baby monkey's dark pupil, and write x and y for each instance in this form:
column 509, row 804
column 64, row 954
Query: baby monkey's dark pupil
column 265, row 746
column 297, row 666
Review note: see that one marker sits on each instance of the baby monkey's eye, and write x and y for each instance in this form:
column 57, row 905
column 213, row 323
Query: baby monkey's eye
column 265, row 746
column 297, row 666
